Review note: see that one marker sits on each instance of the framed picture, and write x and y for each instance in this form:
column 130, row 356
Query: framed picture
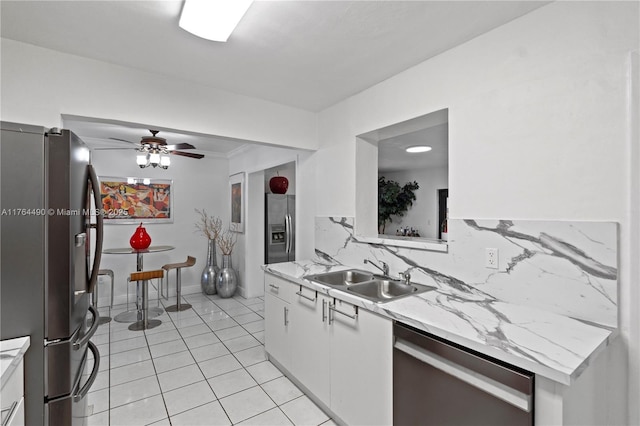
column 236, row 189
column 135, row 200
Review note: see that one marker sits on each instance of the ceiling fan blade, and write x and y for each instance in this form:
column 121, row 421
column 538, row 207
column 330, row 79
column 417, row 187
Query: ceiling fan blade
column 124, row 140
column 187, row 154
column 180, row 146
column 113, row 149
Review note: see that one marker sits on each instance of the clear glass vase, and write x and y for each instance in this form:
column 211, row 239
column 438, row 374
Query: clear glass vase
column 210, row 271
column 227, row 278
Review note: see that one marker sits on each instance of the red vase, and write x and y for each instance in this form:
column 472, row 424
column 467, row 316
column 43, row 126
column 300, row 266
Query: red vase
column 279, row 184
column 140, row 240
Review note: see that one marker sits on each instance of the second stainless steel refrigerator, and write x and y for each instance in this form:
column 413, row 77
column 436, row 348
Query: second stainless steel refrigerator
column 280, row 239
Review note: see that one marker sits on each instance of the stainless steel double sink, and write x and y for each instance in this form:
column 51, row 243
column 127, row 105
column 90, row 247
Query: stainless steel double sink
column 370, row 286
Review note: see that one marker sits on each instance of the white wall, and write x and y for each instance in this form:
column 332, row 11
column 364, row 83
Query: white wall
column 539, row 127
column 423, row 214
column 38, row 85
column 202, row 184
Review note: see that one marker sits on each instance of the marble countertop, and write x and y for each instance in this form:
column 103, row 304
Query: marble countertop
column 551, row 345
column 11, row 352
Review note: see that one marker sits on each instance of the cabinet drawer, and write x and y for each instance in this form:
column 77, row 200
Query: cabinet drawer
column 278, row 287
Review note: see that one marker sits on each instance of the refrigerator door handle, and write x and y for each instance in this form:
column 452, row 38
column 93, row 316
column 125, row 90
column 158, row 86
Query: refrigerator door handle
column 77, row 396
column 292, row 233
column 94, row 326
column 287, row 227
column 286, row 233
column 95, row 189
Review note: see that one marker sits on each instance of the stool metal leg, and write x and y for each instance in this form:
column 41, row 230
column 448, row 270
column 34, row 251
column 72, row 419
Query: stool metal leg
column 94, row 296
column 179, row 306
column 132, row 316
column 144, row 323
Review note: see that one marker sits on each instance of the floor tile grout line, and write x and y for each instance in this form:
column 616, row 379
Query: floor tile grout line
column 199, row 368
column 197, row 363
column 242, row 367
column 258, row 384
column 164, row 402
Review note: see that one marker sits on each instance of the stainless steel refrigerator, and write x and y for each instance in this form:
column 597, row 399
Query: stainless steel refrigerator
column 280, row 225
column 48, row 270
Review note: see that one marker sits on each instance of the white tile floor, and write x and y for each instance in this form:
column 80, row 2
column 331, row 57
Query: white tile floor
column 203, row 366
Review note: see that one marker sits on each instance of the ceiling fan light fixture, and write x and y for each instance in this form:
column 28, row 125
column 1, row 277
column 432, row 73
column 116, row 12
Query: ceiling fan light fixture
column 142, row 160
column 418, row 148
column 165, row 161
column 213, row 20
column 154, row 159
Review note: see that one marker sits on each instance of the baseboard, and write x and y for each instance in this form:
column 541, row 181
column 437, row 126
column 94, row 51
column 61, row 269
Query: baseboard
column 121, row 299
column 336, row 419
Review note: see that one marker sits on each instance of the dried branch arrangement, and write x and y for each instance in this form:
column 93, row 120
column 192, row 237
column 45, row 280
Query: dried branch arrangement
column 227, row 240
column 209, row 226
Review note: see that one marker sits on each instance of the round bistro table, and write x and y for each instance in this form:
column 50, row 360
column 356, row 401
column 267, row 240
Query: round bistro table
column 132, row 316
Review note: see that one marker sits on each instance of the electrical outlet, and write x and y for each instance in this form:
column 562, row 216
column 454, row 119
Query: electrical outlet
column 491, row 258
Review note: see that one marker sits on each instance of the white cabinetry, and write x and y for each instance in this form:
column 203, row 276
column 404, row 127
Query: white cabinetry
column 361, row 366
column 277, row 299
column 12, row 380
column 310, row 363
column 12, row 398
column 339, row 353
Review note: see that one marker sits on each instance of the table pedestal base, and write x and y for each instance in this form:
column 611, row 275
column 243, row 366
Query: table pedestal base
column 104, row 320
column 176, row 308
column 132, row 316
column 139, row 325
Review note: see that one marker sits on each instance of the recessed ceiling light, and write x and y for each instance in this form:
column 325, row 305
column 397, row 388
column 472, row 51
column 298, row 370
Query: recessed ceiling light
column 212, row 19
column 418, row 148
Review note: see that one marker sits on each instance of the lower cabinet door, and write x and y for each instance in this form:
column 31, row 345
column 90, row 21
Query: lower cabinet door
column 277, row 341
column 14, row 415
column 310, row 362
column 361, row 367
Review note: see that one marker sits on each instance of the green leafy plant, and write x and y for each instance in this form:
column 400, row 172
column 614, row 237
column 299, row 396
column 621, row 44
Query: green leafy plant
column 393, row 199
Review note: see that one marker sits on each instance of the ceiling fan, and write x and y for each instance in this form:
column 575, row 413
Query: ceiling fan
column 154, row 151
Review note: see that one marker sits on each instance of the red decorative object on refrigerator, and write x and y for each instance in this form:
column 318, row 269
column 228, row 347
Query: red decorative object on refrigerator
column 279, row 184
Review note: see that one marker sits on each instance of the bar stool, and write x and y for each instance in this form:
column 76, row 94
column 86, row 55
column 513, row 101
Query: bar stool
column 94, row 296
column 132, row 315
column 144, row 323
column 178, row 266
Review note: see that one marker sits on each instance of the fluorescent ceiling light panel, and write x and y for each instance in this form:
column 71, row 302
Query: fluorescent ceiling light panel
column 212, row 19
column 418, row 148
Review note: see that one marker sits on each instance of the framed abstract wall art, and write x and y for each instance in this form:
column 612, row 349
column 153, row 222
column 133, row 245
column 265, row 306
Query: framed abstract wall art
column 236, row 189
column 135, row 200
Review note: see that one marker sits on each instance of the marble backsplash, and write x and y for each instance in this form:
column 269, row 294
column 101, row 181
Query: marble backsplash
column 568, row 268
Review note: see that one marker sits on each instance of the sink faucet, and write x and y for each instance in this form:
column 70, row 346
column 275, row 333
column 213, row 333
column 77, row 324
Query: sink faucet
column 406, row 277
column 384, row 269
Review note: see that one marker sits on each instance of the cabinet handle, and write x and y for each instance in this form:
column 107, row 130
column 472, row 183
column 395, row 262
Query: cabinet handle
column 299, row 293
column 324, row 310
column 11, row 409
column 332, row 307
column 286, row 316
column 273, row 286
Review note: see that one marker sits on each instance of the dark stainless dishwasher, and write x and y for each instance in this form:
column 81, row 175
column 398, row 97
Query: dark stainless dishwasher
column 439, row 383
